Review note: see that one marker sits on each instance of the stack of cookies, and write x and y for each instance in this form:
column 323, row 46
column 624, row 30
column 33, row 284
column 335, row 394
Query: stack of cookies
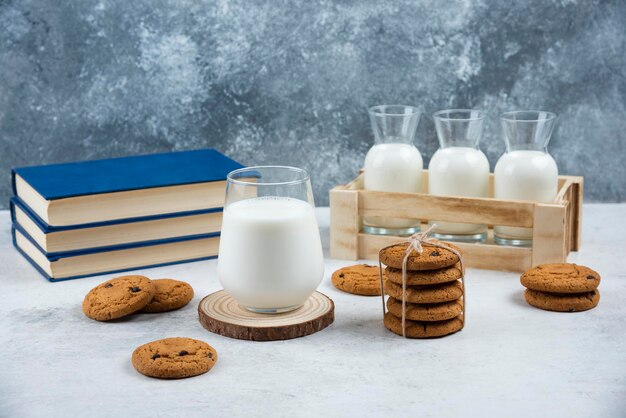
column 434, row 291
column 561, row 287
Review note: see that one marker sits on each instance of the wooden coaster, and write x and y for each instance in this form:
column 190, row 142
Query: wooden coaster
column 221, row 314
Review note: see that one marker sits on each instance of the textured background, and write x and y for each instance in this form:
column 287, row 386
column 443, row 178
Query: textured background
column 289, row 82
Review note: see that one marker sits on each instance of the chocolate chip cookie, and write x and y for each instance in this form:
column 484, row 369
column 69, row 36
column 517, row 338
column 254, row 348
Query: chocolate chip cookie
column 361, row 279
column 424, row 277
column 430, row 259
column 562, row 302
column 437, row 293
column 118, row 297
column 561, row 278
column 428, row 312
column 170, row 294
column 174, row 358
column 422, row 329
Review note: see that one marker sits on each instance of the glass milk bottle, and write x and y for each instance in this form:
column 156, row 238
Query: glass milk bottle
column 393, row 164
column 526, row 171
column 459, row 168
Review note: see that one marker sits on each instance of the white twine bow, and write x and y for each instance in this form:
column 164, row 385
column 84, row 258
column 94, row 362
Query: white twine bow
column 415, row 243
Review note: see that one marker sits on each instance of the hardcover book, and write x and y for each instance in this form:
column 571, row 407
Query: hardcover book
column 91, row 263
column 124, row 188
column 113, row 235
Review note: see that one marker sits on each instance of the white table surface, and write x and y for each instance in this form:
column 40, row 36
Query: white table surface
column 511, row 359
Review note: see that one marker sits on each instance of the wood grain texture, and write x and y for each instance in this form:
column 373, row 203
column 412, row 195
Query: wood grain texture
column 221, row 314
column 571, row 195
column 577, row 214
column 446, row 208
column 549, row 240
column 344, row 224
column 355, row 184
column 563, row 189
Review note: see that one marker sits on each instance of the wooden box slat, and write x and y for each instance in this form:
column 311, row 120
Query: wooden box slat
column 446, row 208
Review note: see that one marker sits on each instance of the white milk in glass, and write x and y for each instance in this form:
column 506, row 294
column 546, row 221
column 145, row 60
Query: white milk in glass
column 524, row 175
column 459, row 171
column 393, row 167
column 270, row 252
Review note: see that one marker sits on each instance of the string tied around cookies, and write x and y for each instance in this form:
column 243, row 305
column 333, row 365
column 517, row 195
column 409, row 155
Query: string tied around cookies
column 416, row 242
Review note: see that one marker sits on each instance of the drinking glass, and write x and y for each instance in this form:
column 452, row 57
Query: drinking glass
column 459, row 168
column 393, row 164
column 270, row 257
column 525, row 171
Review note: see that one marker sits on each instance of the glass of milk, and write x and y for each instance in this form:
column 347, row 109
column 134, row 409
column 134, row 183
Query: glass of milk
column 459, row 168
column 526, row 171
column 393, row 164
column 270, row 256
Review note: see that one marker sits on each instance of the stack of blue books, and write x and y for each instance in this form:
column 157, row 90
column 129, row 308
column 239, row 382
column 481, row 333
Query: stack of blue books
column 93, row 217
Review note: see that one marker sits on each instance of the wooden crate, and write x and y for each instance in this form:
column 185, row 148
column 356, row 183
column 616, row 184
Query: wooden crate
column 556, row 226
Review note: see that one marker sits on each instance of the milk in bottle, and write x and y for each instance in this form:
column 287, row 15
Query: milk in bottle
column 393, row 164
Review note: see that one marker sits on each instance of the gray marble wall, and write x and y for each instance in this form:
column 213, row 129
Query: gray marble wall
column 280, row 82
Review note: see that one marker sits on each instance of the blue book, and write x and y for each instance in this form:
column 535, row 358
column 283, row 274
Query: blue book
column 97, row 191
column 68, row 240
column 94, row 262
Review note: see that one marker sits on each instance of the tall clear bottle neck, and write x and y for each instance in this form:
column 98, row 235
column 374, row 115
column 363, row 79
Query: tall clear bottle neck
column 394, row 124
column 460, row 128
column 527, row 130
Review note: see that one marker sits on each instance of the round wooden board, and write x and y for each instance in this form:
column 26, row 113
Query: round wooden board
column 221, row 314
